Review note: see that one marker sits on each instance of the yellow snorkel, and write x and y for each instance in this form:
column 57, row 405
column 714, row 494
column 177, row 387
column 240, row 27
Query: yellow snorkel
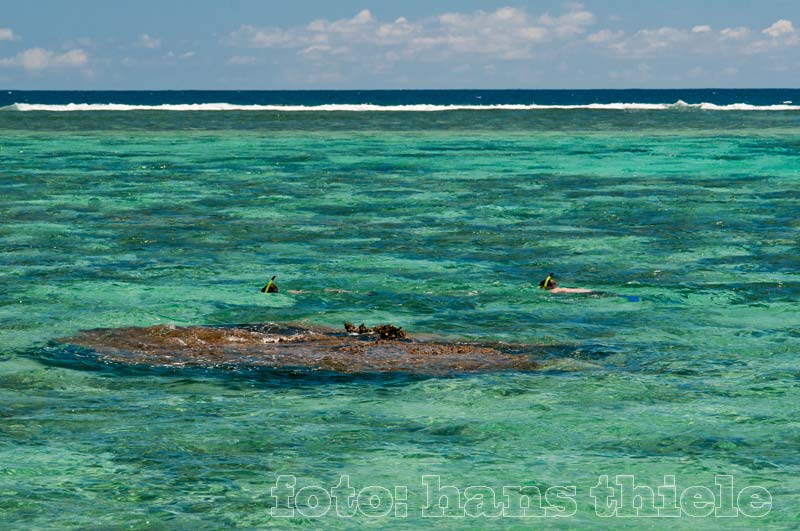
column 547, row 282
column 270, row 287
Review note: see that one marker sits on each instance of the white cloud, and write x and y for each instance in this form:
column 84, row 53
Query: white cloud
column 252, row 37
column 781, row 34
column 34, row 58
column 468, row 41
column 702, row 40
column 319, row 50
column 346, row 26
column 605, row 36
column 72, row 58
column 781, row 27
column 506, row 33
column 573, row 23
column 7, row 34
column 650, row 43
column 148, row 41
column 735, row 33
column 241, row 60
column 398, row 29
column 37, row 59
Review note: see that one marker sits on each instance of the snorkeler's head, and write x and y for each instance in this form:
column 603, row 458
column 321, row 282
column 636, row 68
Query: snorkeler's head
column 548, row 283
column 270, row 287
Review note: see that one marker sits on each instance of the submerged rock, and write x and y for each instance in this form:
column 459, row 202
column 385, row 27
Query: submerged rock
column 384, row 348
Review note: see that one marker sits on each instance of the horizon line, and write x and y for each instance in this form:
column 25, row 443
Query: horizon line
column 8, row 90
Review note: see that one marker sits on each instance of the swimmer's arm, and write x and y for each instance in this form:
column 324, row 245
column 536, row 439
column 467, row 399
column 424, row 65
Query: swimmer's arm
column 569, row 290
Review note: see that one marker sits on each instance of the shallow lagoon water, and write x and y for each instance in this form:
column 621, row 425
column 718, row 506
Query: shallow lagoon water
column 442, row 223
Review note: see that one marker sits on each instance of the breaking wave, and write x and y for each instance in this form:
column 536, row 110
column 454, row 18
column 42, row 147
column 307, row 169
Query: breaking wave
column 368, row 107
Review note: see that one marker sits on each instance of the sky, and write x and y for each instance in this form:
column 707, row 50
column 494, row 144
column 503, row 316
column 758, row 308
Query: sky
column 414, row 44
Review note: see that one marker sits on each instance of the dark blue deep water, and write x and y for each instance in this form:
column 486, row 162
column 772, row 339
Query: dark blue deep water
column 406, row 97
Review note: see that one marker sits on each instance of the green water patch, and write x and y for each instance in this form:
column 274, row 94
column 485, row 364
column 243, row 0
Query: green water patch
column 682, row 363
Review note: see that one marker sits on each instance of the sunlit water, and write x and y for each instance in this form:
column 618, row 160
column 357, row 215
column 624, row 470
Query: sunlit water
column 686, row 222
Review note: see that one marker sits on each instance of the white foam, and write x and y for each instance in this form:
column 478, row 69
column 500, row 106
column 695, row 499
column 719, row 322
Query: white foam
column 368, row 107
column 748, row 107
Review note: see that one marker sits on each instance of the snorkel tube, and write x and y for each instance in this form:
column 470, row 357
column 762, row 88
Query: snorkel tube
column 270, row 287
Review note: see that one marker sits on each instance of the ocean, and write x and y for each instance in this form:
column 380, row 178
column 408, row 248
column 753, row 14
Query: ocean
column 666, row 399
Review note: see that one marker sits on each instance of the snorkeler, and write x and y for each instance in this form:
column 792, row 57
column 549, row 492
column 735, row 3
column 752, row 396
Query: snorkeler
column 550, row 285
column 270, row 287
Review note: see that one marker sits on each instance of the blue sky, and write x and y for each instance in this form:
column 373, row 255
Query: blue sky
column 345, row 44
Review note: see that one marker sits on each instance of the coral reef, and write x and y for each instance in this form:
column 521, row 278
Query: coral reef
column 383, row 348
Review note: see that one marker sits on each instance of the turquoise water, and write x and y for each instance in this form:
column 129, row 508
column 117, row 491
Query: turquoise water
column 686, row 222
